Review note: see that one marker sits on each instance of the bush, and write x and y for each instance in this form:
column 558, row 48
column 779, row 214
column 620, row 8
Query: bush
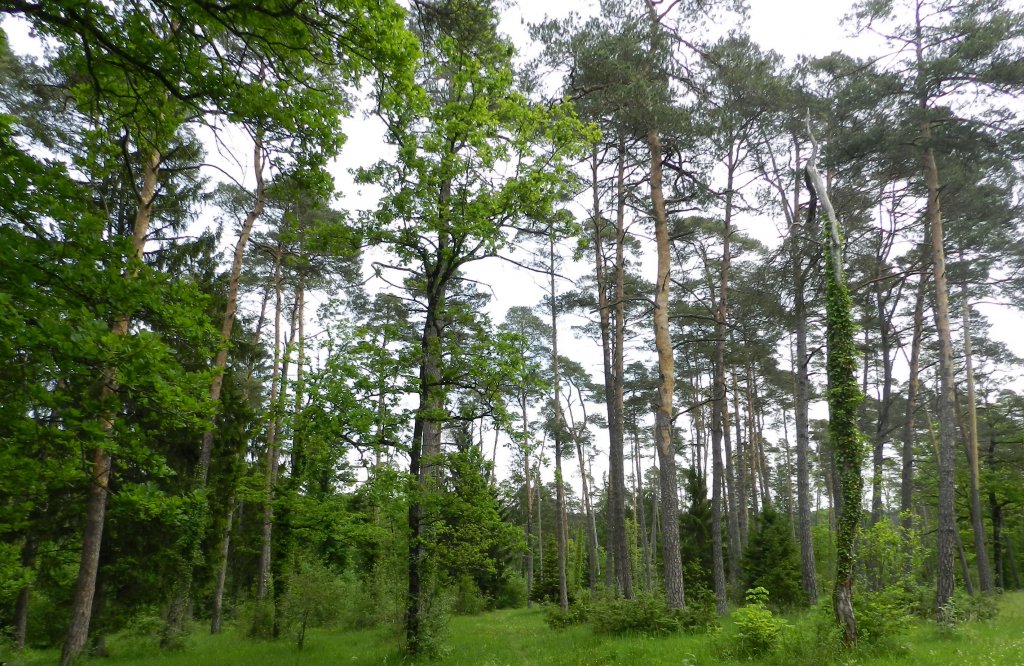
column 701, row 612
column 758, row 631
column 556, row 618
column 772, row 560
column 313, row 598
column 963, row 608
column 511, row 593
column 646, row 614
column 882, row 617
column 468, row 598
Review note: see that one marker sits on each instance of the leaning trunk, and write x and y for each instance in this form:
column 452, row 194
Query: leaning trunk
column 844, row 398
column 666, row 387
column 977, row 523
column 96, row 504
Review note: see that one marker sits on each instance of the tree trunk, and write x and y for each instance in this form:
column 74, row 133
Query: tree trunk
column 220, row 361
column 528, row 529
column 977, row 522
column 616, row 426
column 671, row 558
column 222, row 570
column 556, row 404
column 263, row 580
column 844, row 398
column 801, row 399
column 882, row 427
column 907, row 478
column 28, row 561
column 425, row 451
column 947, row 411
column 638, row 492
column 96, row 503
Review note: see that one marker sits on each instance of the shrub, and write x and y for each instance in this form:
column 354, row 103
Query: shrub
column 882, row 617
column 556, row 618
column 646, row 614
column 313, row 597
column 771, row 560
column 758, row 631
column 468, row 598
column 963, row 608
column 701, row 612
column 511, row 593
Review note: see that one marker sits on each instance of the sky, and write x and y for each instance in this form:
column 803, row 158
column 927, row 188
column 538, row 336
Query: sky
column 790, row 27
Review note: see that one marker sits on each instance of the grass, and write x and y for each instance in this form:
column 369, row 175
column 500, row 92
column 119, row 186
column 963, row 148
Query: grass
column 514, row 637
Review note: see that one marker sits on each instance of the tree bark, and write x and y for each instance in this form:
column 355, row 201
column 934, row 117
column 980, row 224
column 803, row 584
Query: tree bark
column 96, row 503
column 907, row 477
column 946, row 538
column 220, row 361
column 222, row 570
column 616, row 426
column 28, row 561
column 801, row 400
column 844, row 397
column 277, row 379
column 671, row 559
column 556, row 404
column 977, row 522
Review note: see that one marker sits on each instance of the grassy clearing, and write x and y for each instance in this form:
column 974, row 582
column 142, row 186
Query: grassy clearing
column 514, row 637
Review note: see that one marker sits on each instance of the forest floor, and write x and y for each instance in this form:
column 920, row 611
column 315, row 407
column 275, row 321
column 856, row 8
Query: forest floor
column 512, row 637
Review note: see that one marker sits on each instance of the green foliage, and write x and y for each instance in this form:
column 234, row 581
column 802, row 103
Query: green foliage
column 468, row 598
column 646, row 614
column 578, row 613
column 511, row 593
column 882, row 618
column 314, row 596
column 701, row 612
column 892, row 556
column 772, row 560
column 758, row 632
column 963, row 608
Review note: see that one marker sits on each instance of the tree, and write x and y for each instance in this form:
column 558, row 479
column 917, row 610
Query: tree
column 844, row 397
column 445, row 207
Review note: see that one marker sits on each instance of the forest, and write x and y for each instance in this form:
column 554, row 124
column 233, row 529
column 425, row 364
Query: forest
column 630, row 341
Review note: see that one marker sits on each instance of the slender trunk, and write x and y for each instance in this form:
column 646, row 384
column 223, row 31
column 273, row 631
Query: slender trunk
column 96, row 502
column 556, row 404
column 220, row 361
column 977, row 522
column 528, row 529
column 882, row 427
column 638, row 493
column 616, row 426
column 965, row 569
column 801, row 400
column 844, row 398
column 907, row 478
column 263, row 578
column 996, row 509
column 672, row 562
column 592, row 564
column 947, row 410
column 28, row 562
column 222, row 570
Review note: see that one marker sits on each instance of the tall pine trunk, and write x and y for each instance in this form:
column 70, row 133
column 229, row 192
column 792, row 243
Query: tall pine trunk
column 616, row 425
column 96, row 502
column 671, row 559
column 977, row 522
column 844, row 398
